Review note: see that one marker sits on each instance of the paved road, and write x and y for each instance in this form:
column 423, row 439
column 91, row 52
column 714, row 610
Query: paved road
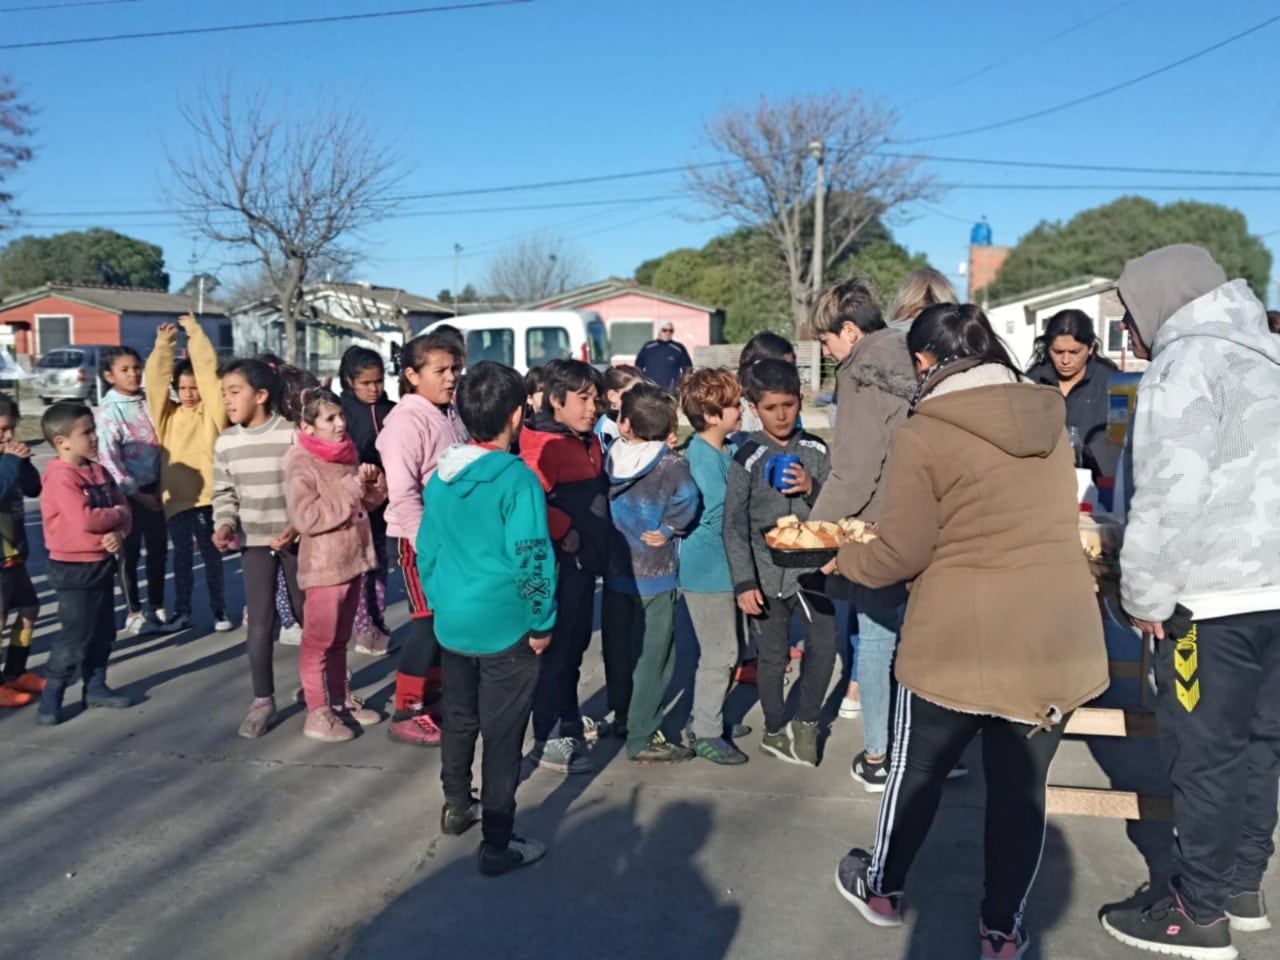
column 157, row 833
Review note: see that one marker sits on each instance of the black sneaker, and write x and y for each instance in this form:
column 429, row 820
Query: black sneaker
column 782, row 744
column 878, row 909
column 804, row 737
column 519, row 852
column 456, row 822
column 1247, row 912
column 872, row 774
column 661, row 750
column 1164, row 927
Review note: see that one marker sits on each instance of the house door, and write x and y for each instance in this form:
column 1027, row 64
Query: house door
column 52, row 333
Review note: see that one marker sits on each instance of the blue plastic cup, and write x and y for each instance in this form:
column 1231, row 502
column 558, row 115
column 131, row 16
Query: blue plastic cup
column 776, row 467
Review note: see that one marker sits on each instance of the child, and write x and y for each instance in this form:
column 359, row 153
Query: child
column 365, row 407
column 653, row 500
column 131, row 453
column 711, row 402
column 293, row 380
column 566, row 456
column 18, row 479
column 86, row 521
column 533, row 384
column 617, row 381
column 768, row 593
column 187, row 431
column 765, row 345
column 487, row 560
column 329, row 495
column 249, row 504
column 421, row 427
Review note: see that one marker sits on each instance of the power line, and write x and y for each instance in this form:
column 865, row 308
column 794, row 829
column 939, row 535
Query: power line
column 1095, row 167
column 1097, row 94
column 261, row 25
column 35, row 8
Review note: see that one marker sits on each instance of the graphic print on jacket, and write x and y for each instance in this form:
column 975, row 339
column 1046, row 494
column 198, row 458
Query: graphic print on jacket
column 650, row 488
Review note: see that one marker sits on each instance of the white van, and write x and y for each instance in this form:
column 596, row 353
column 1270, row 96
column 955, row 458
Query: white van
column 529, row 338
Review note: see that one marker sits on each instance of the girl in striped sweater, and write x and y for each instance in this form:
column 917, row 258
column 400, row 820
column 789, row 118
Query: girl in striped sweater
column 249, row 502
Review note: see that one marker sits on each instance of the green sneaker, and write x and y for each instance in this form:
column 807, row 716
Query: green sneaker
column 719, row 750
column 804, row 738
column 781, row 745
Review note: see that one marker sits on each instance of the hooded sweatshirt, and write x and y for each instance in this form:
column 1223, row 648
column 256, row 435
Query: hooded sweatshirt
column 413, row 436
column 485, row 558
column 571, row 469
column 128, row 445
column 981, row 513
column 650, row 488
column 186, row 434
column 1204, row 522
column 78, row 506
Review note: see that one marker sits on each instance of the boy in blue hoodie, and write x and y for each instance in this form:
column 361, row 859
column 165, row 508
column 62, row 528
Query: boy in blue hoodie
column 653, row 500
column 487, row 562
column 129, row 447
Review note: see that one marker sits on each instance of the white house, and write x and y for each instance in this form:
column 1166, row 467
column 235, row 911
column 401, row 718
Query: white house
column 1019, row 320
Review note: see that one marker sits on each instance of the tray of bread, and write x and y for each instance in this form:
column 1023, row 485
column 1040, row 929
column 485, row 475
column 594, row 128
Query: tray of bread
column 1101, row 537
column 808, row 544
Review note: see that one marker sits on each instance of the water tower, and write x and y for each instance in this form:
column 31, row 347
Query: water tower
column 985, row 259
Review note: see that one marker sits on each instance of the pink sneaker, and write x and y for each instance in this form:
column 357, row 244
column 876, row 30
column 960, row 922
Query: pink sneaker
column 357, row 711
column 417, row 731
column 262, row 713
column 373, row 642
column 326, row 726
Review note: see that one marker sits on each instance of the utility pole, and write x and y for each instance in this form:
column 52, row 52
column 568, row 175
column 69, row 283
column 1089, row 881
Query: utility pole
column 818, row 149
column 457, row 255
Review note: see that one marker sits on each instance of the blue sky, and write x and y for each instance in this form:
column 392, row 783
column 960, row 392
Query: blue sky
column 558, row 89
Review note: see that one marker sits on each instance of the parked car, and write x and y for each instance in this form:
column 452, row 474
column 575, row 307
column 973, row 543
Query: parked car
column 529, row 338
column 70, row 373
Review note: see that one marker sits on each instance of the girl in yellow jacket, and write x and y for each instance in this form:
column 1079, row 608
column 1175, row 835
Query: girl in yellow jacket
column 187, row 430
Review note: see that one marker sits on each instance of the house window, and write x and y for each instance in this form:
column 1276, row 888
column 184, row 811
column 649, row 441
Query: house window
column 52, row 332
column 1117, row 339
column 628, row 336
column 543, row 344
column 491, row 344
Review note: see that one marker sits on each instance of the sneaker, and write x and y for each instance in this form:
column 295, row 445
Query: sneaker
column 326, row 726
column 262, row 713
column 418, row 730
column 357, row 711
column 181, row 622
column 661, row 750
column 457, row 822
column 850, row 709
column 718, row 750
column 804, row 740
column 593, row 729
column 373, row 642
column 100, row 695
column 878, row 909
column 1247, row 911
column 1165, row 927
column 562, row 755
column 1002, row 946
column 140, row 625
column 518, row 853
column 12, row 697
column 27, row 683
column 782, row 745
column 872, row 774
column 221, row 624
column 291, row 636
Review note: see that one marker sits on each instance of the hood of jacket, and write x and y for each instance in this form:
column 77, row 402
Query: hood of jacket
column 382, row 405
column 1021, row 419
column 115, row 396
column 881, row 360
column 467, row 466
column 1157, row 285
column 627, row 462
column 1228, row 312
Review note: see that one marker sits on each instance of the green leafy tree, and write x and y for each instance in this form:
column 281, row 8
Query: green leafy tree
column 96, row 256
column 1098, row 241
column 192, row 287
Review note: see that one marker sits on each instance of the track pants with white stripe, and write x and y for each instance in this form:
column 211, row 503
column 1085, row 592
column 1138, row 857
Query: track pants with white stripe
column 928, row 740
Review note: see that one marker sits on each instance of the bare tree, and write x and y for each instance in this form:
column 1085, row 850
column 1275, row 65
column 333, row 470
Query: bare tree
column 535, row 268
column 14, row 131
column 770, row 179
column 288, row 188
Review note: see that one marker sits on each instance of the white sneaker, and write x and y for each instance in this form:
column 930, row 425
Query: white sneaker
column 140, row 625
column 160, row 615
column 850, row 709
column 224, row 625
column 291, row 636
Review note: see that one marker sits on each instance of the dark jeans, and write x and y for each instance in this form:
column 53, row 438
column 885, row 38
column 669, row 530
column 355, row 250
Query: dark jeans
column 487, row 696
column 557, row 696
column 258, row 566
column 148, row 529
column 186, row 527
column 773, row 638
column 86, row 617
column 927, row 743
column 641, row 635
column 1219, row 713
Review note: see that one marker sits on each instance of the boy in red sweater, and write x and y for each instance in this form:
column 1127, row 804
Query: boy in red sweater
column 86, row 518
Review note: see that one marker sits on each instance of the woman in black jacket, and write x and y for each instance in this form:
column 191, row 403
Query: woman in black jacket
column 365, row 407
column 1067, row 357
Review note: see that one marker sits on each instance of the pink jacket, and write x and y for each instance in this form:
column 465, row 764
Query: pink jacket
column 329, row 507
column 414, row 435
column 78, row 506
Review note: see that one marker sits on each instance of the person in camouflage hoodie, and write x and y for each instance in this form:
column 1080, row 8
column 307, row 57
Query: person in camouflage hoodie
column 1202, row 546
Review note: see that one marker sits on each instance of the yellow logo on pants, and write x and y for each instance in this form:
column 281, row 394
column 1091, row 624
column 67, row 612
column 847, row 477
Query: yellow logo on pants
column 1185, row 661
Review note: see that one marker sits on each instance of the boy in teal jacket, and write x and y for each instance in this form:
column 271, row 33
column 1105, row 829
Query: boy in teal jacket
column 485, row 558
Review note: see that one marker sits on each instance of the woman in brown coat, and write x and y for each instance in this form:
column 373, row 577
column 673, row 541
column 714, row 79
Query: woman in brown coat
column 1002, row 633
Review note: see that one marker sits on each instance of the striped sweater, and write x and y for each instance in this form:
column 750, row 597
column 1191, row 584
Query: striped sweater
column 248, row 481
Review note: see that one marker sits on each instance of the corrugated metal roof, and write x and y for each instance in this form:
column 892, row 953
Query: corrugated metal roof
column 115, row 299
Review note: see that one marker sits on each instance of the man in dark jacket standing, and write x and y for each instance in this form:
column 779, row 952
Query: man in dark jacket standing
column 665, row 360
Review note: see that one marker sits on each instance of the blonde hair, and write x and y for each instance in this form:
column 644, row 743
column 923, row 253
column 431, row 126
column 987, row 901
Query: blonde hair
column 921, row 289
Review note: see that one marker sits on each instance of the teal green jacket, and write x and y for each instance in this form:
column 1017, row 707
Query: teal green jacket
column 484, row 553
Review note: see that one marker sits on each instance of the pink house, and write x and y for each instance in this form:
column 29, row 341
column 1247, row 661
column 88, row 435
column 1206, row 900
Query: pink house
column 634, row 315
